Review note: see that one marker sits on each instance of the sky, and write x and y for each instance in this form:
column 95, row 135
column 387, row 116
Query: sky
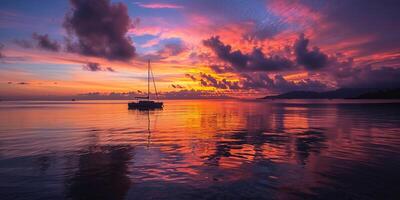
column 203, row 48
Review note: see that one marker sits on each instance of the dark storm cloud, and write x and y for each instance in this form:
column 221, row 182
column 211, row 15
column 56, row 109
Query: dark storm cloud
column 95, row 67
column 259, row 61
column 98, row 28
column 225, row 53
column 45, row 43
column 311, row 60
column 254, row 61
column 368, row 77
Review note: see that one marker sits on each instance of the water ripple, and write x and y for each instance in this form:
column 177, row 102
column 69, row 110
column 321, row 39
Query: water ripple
column 211, row 149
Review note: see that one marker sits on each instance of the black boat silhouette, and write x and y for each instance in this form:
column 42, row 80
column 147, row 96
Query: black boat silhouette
column 146, row 103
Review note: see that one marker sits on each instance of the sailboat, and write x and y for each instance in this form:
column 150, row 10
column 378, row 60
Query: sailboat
column 146, row 103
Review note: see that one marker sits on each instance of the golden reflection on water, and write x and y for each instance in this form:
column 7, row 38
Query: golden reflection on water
column 198, row 148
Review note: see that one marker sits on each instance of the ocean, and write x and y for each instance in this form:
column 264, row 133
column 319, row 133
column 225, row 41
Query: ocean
column 200, row 149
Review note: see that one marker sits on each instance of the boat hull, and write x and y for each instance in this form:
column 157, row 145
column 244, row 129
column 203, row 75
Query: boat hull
column 145, row 105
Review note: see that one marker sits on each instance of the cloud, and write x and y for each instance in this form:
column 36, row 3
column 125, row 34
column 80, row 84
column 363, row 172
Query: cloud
column 368, row 77
column 41, row 41
column 256, row 81
column 95, row 67
column 44, row 42
column 311, row 60
column 191, row 77
column 279, row 84
column 159, row 5
column 262, row 82
column 98, row 28
column 109, row 69
column 208, row 80
column 350, row 74
column 258, row 61
column 167, row 48
column 23, row 83
column 254, row 61
column 193, row 94
column 225, row 53
column 221, row 69
column 180, row 94
column 171, row 49
column 177, row 86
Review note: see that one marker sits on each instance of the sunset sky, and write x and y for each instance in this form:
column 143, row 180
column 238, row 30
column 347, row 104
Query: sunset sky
column 240, row 48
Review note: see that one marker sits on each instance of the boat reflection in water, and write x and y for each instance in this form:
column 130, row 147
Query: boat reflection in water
column 101, row 173
column 147, row 104
column 200, row 149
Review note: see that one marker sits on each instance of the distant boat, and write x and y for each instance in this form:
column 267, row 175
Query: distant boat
column 146, row 103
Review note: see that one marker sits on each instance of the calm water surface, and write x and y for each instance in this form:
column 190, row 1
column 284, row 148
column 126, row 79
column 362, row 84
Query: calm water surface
column 202, row 149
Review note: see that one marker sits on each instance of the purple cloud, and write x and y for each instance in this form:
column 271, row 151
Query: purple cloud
column 369, row 77
column 98, row 28
column 208, row 80
column 254, row 61
column 311, row 60
column 262, row 82
column 95, row 67
column 44, row 42
column 172, row 49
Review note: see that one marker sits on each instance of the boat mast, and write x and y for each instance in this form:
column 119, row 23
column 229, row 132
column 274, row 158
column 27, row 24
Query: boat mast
column 154, row 82
column 148, row 80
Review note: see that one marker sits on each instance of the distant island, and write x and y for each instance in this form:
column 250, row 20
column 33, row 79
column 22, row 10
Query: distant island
column 342, row 93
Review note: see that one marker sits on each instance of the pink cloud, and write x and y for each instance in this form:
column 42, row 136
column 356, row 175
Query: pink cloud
column 159, row 5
